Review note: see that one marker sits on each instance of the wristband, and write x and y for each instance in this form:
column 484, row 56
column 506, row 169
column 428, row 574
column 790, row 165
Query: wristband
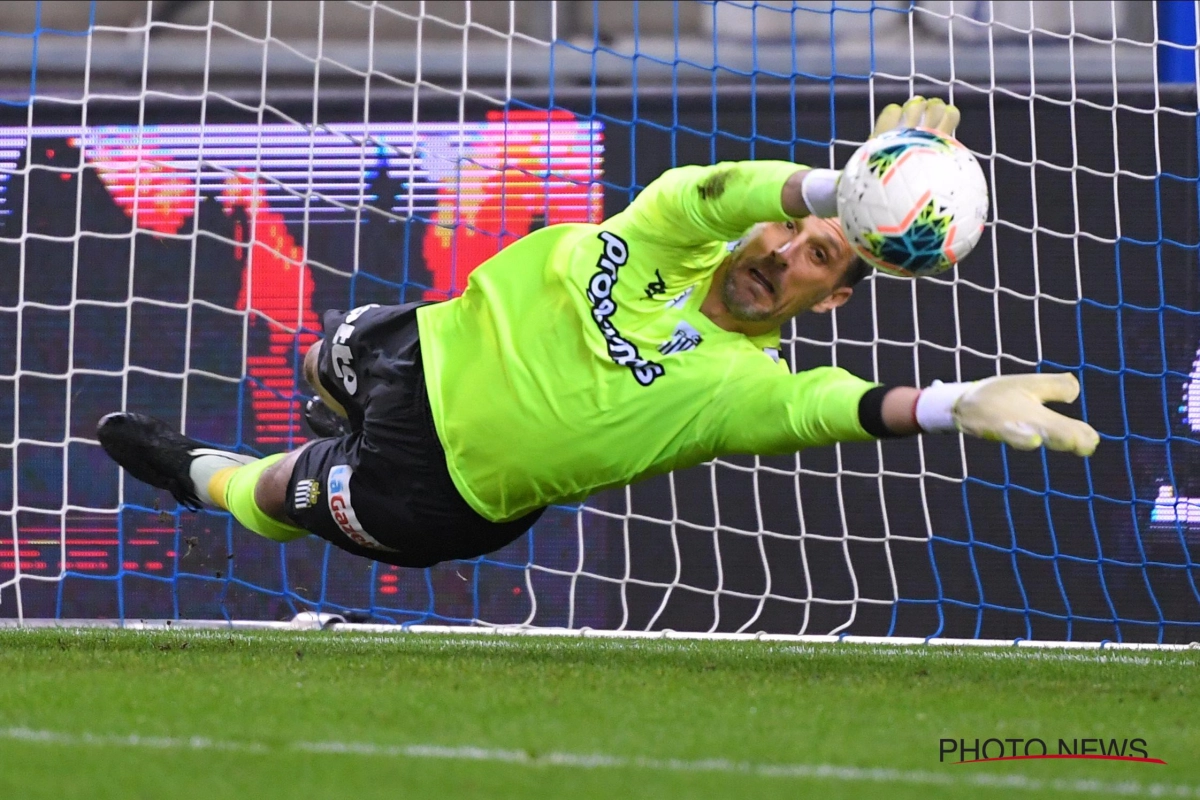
column 935, row 406
column 819, row 190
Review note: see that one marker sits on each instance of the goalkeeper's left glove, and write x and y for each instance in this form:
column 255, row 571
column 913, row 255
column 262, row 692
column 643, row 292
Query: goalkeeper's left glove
column 1008, row 408
column 820, row 185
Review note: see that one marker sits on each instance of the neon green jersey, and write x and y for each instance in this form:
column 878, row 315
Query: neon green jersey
column 578, row 359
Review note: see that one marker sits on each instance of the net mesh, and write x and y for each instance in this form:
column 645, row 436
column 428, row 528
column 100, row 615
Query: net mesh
column 181, row 195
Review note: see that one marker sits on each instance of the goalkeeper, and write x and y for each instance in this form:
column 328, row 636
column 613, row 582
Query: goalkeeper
column 585, row 357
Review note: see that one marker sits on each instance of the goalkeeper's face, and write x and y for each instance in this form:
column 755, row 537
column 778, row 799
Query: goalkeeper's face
column 782, row 269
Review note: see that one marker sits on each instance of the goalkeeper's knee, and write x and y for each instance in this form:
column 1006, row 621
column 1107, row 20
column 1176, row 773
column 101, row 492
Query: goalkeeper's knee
column 312, row 369
column 235, row 487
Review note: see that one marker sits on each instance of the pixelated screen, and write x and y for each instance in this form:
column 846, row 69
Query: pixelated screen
column 180, row 270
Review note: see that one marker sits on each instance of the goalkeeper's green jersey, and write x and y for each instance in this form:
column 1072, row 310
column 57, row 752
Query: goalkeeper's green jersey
column 578, row 358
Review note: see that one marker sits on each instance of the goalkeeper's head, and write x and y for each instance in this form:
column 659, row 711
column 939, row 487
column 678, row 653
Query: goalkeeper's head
column 781, row 269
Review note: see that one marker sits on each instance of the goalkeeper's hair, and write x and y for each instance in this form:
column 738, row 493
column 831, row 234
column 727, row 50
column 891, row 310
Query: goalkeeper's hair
column 855, row 272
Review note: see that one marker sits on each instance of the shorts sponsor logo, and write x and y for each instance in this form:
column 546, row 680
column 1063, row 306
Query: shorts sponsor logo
column 307, row 494
column 342, row 510
column 339, row 349
column 685, row 337
column 599, row 293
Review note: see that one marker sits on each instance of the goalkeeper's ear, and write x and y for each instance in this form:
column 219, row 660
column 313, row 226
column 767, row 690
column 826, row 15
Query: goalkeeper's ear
column 836, row 299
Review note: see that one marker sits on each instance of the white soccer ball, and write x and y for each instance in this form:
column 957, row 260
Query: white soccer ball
column 913, row 202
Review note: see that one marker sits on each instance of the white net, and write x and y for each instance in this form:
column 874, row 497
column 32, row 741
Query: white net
column 186, row 186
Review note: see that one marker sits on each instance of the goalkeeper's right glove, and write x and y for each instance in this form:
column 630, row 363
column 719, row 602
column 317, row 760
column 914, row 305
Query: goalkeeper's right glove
column 820, row 185
column 1008, row 408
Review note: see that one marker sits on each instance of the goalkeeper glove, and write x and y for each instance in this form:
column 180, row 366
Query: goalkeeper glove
column 1008, row 408
column 820, row 185
column 918, row 113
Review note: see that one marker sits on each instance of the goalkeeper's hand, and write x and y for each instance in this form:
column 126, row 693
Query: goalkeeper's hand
column 918, row 112
column 819, row 187
column 1009, row 409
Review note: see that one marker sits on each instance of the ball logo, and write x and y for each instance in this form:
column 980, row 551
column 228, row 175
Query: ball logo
column 342, row 511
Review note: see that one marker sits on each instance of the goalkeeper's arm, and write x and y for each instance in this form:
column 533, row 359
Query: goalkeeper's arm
column 1006, row 408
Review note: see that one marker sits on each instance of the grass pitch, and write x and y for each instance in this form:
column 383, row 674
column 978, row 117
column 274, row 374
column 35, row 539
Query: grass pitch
column 298, row 715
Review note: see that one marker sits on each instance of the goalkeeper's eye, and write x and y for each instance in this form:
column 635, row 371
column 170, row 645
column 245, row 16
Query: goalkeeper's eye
column 791, row 226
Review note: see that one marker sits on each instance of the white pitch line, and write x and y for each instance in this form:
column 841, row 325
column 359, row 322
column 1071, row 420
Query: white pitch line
column 1011, row 654
column 130, row 740
column 829, row 772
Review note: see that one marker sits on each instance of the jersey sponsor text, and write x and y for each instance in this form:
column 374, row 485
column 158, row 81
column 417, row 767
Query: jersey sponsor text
column 622, row 352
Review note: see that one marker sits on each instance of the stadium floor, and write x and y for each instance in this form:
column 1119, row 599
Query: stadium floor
column 212, row 714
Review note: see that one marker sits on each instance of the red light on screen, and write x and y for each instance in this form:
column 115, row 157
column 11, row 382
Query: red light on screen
column 389, row 589
column 85, row 566
column 523, row 166
column 41, row 546
column 158, row 194
column 278, row 286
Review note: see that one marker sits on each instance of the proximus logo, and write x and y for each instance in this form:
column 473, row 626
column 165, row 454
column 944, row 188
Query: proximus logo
column 600, row 289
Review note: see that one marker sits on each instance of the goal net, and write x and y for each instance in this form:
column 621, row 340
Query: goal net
column 185, row 187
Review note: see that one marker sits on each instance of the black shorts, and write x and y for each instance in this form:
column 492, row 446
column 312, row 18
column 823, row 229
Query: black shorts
column 383, row 491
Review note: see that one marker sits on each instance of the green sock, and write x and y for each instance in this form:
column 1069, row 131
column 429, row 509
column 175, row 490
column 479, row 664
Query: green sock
column 239, row 499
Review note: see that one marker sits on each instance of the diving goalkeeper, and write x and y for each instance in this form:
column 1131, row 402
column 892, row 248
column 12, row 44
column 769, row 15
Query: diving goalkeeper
column 584, row 357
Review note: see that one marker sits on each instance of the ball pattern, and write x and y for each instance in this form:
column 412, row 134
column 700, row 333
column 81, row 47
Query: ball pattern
column 913, row 202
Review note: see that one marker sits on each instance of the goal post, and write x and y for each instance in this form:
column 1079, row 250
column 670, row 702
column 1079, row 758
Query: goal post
column 182, row 195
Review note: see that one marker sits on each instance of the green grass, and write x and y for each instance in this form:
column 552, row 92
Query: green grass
column 258, row 697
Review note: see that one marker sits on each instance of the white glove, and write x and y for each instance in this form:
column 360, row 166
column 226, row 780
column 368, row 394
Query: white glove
column 820, row 185
column 1008, row 408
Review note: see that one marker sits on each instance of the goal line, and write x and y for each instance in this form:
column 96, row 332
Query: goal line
column 312, row 621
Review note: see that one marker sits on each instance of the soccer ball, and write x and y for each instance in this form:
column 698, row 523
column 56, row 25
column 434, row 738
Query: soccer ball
column 912, row 202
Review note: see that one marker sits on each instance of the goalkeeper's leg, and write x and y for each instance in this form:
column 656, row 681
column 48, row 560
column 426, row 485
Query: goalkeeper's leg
column 254, row 490
column 259, row 492
column 382, row 491
column 198, row 475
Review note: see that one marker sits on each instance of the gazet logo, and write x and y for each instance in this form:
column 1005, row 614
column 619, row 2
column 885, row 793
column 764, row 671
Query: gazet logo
column 339, row 500
column 342, row 510
column 975, row 751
